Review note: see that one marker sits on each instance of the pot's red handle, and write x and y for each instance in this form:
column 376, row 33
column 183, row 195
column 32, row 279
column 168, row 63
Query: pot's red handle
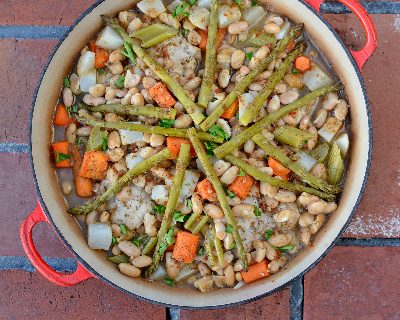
column 362, row 55
column 80, row 274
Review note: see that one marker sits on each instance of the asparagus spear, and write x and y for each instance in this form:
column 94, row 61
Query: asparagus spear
column 169, row 132
column 149, row 246
column 218, row 248
column 247, row 134
column 200, row 224
column 122, row 182
column 254, row 108
column 278, row 155
column 181, row 165
column 209, row 244
column 247, row 80
column 172, row 84
column 292, row 136
column 211, row 57
column 147, row 111
column 262, row 176
column 320, row 152
column 213, row 178
column 335, row 165
column 96, row 138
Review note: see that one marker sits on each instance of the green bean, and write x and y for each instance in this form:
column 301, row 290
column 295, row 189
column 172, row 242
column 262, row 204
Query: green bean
column 335, row 165
column 213, row 178
column 181, row 165
column 211, row 57
column 163, row 74
column 320, row 152
column 242, row 86
column 254, row 108
column 248, row 133
column 122, row 182
column 262, row 176
column 149, row 246
column 292, row 136
column 278, row 155
column 147, row 111
column 169, row 132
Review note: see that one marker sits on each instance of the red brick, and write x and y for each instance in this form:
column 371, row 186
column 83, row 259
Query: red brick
column 354, row 283
column 42, row 12
column 21, row 64
column 379, row 212
column 272, row 307
column 26, row 295
column 18, row 199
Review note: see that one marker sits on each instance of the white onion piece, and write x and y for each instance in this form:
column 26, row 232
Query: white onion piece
column 159, row 194
column 171, row 7
column 86, row 62
column 159, row 274
column 306, row 161
column 284, row 30
column 152, row 8
column 218, row 97
column 87, row 80
column 253, row 15
column 228, row 15
column 199, row 17
column 316, row 78
column 343, row 143
column 129, row 137
column 225, row 126
column 330, row 129
column 109, row 39
column 186, row 272
column 252, row 201
column 133, row 160
column 244, row 101
column 204, row 4
column 189, row 184
column 99, row 236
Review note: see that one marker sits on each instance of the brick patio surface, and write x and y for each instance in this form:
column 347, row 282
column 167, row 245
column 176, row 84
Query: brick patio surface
column 358, row 279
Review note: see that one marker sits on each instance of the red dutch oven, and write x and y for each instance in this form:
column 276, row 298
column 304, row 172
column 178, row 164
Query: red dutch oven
column 51, row 206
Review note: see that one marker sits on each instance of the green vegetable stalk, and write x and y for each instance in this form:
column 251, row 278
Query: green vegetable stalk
column 292, row 136
column 320, row 152
column 154, row 34
column 335, row 165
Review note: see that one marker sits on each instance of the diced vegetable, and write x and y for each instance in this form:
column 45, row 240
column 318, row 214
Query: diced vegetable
column 189, row 184
column 227, row 15
column 186, row 272
column 306, row 161
column 278, row 169
column 129, row 136
column 335, row 165
column 204, row 3
column 199, row 17
column 255, row 272
column 174, row 145
column 61, row 154
column 292, row 136
column 186, row 246
column 161, row 95
column 330, row 129
column 86, row 62
column 343, row 142
column 259, row 38
column 99, row 236
column 253, row 15
column 87, row 80
column 302, row 63
column 94, row 165
column 152, row 8
column 109, row 39
column 154, row 34
column 242, row 186
column 160, row 194
column 245, row 100
column 206, row 190
column 101, row 58
column 320, row 152
column 62, row 118
column 96, row 139
column 316, row 78
column 231, row 111
column 284, row 30
column 83, row 186
column 133, row 160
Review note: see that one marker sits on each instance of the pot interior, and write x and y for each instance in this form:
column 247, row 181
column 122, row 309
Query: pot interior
column 55, row 206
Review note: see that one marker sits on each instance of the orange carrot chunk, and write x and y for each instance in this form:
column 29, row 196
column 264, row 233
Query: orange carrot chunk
column 206, row 190
column 62, row 159
column 242, row 186
column 302, row 63
column 186, row 246
column 231, row 111
column 94, row 165
column 278, row 169
column 92, row 46
column 161, row 95
column 255, row 272
column 220, row 36
column 83, row 186
column 62, row 117
column 204, row 35
column 174, row 145
column 101, row 58
column 290, row 45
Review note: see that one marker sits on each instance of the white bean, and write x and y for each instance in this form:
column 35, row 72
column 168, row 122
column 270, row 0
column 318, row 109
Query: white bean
column 229, row 276
column 320, row 118
column 285, row 196
column 115, row 154
column 194, row 37
column 172, row 266
column 228, row 241
column 137, row 99
column 74, row 84
column 68, row 97
column 111, row 117
column 84, row 131
column 306, row 219
column 141, row 261
column 331, row 101
column 114, row 140
column 220, row 230
column 305, row 199
column 223, row 78
column 320, row 171
column 183, row 121
column 305, row 236
column 280, row 88
column 230, row 175
column 238, row 266
column 156, row 140
column 93, row 101
column 129, row 248
column 134, row 25
column 104, row 217
column 116, row 67
column 149, row 82
column 317, row 207
column 98, row 90
column 243, row 210
column 115, row 250
column 341, row 110
column 147, row 152
column 213, row 211
column 110, row 93
column 237, row 59
column 238, row 276
column 115, row 56
column 168, row 19
column 192, row 84
column 330, row 207
column 289, row 96
column 259, row 254
column 203, row 269
column 287, row 218
column 197, row 204
column 129, row 270
column 280, row 239
column 220, row 166
column 66, row 187
column 70, row 133
column 249, row 146
column 238, row 27
column 274, row 104
column 268, row 189
column 305, row 122
column 131, row 79
column 317, row 223
column 271, row 28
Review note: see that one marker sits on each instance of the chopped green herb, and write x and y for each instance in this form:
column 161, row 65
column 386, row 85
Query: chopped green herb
column 228, row 228
column 169, row 281
column 201, row 251
column 163, row 247
column 128, row 52
column 233, row 245
column 238, row 3
column 285, row 248
column 167, row 123
column 79, row 142
column 214, row 99
column 228, row 192
column 104, row 143
column 169, row 237
column 192, row 2
column 71, row 110
column 254, row 3
column 137, row 240
column 210, row 146
column 189, row 204
column 268, row 234
column 159, row 208
column 218, row 132
column 241, row 173
column 295, row 71
column 180, row 10
column 185, row 32
column 66, row 82
column 249, row 55
column 123, row 229
column 62, row 156
column 120, row 82
column 179, row 217
column 101, row 71
column 257, row 211
column 114, row 240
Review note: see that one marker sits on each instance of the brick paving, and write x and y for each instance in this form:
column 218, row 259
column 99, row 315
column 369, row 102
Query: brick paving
column 352, row 282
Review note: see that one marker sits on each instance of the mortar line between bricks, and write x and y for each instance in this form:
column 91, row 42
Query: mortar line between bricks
column 173, row 314
column 297, row 299
column 369, row 242
column 11, row 147
column 22, row 263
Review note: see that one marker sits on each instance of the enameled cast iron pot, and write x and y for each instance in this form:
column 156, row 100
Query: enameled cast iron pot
column 52, row 208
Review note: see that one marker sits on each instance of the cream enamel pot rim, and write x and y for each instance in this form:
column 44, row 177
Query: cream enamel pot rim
column 52, row 207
